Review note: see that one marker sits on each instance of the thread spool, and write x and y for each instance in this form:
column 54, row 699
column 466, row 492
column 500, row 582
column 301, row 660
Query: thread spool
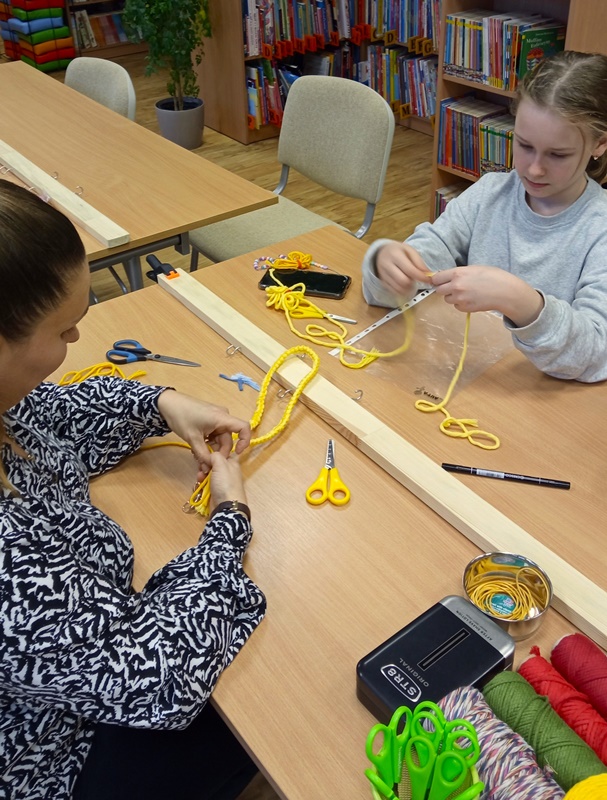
column 584, row 665
column 507, row 765
column 516, row 702
column 594, row 788
column 572, row 706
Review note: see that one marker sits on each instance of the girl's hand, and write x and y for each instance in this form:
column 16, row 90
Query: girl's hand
column 483, row 288
column 202, row 425
column 399, row 266
column 226, row 479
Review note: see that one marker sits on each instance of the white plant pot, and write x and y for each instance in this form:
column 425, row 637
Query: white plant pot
column 185, row 127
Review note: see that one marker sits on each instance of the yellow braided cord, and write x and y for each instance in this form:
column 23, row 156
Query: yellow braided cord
column 105, row 368
column 294, row 303
column 201, row 497
column 459, row 428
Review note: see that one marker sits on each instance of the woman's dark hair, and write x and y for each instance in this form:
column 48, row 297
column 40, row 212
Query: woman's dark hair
column 573, row 85
column 40, row 251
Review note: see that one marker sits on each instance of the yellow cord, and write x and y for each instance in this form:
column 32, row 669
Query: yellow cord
column 487, row 593
column 459, row 428
column 104, row 368
column 200, row 499
column 294, row 303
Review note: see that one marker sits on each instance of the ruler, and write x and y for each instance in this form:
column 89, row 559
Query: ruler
column 421, row 295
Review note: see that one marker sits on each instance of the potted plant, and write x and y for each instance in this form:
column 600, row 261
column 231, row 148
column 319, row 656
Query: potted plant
column 173, row 31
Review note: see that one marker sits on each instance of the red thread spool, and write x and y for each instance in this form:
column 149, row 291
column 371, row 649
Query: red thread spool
column 584, row 665
column 572, row 706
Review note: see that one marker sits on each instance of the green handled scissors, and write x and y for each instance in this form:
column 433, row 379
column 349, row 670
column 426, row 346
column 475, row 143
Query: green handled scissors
column 389, row 757
column 328, row 486
column 451, row 772
column 419, row 760
column 378, row 787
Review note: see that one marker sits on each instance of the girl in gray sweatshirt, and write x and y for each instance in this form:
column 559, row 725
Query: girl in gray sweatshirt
column 530, row 244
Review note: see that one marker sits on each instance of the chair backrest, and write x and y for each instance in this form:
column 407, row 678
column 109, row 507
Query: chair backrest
column 104, row 81
column 338, row 133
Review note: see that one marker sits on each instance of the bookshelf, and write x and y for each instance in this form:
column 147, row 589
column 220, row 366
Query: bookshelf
column 586, row 30
column 222, row 74
column 97, row 29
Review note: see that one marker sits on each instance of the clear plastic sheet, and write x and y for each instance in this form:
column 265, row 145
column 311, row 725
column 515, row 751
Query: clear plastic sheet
column 428, row 366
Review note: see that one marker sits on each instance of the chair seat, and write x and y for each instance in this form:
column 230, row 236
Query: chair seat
column 256, row 229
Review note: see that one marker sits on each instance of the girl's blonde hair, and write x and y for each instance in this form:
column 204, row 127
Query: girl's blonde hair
column 40, row 252
column 573, row 85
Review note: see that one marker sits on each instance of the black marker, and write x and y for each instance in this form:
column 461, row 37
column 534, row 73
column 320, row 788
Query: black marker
column 506, row 476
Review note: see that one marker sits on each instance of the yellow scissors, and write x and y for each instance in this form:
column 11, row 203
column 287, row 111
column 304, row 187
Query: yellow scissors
column 328, row 485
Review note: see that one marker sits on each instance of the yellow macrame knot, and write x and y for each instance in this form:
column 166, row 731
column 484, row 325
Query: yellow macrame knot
column 201, row 497
column 294, row 260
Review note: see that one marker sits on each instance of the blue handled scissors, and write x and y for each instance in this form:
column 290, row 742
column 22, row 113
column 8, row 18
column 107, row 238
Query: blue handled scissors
column 328, row 486
column 125, row 351
column 389, row 757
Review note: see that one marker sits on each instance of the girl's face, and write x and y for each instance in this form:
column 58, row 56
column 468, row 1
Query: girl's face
column 26, row 363
column 550, row 156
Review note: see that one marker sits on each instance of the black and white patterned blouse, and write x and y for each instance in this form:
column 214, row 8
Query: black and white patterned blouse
column 77, row 646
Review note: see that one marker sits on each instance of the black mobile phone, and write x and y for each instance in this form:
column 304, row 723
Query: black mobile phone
column 318, row 284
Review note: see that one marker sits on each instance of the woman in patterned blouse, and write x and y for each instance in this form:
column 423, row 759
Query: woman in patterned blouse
column 103, row 691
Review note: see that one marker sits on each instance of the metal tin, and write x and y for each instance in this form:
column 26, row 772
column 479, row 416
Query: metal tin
column 505, row 567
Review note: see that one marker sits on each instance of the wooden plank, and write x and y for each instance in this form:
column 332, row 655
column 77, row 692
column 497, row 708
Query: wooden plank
column 72, row 205
column 575, row 596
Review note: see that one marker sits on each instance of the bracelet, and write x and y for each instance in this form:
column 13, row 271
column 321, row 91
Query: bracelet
column 232, row 505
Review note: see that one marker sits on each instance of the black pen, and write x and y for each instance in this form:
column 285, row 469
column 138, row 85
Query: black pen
column 506, row 476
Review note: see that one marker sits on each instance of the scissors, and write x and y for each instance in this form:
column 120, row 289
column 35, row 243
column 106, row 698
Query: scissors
column 125, row 351
column 328, row 485
column 389, row 758
column 451, row 772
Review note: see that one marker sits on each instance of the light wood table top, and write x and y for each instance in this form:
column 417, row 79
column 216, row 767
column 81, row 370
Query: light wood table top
column 548, row 428
column 339, row 581
column 144, row 183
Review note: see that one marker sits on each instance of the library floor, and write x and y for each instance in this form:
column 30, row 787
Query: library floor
column 405, row 203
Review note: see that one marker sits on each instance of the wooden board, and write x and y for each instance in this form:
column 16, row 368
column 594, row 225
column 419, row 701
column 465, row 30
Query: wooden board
column 72, row 205
column 575, row 596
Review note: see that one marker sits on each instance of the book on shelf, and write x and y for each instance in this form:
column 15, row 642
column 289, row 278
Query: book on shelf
column 444, row 195
column 459, row 132
column 84, row 31
column 496, row 135
column 487, row 48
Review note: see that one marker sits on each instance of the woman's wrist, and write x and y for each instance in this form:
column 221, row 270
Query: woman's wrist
column 234, row 506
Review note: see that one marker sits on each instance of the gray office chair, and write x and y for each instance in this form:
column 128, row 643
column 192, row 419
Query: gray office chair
column 104, row 81
column 337, row 133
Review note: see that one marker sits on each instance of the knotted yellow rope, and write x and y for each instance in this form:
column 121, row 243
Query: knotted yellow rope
column 295, row 305
column 459, row 428
column 201, row 497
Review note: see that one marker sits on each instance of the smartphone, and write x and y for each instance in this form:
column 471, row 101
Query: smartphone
column 318, row 284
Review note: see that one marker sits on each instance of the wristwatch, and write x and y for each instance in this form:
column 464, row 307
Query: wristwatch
column 232, row 505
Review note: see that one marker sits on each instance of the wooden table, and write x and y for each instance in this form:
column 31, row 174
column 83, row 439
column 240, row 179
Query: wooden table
column 548, row 428
column 339, row 581
column 153, row 188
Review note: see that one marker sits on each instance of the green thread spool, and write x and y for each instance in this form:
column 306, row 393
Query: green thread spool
column 516, row 703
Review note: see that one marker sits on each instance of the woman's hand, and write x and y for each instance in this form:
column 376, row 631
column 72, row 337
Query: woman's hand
column 483, row 288
column 202, row 425
column 399, row 266
column 226, row 479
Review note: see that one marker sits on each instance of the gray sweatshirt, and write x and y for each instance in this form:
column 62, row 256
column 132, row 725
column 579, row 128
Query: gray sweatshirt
column 564, row 257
